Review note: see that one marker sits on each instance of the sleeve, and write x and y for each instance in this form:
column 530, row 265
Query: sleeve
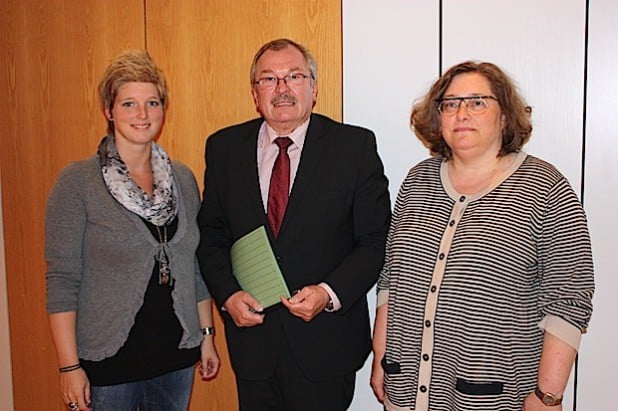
column 359, row 271
column 215, row 236
column 200, row 287
column 193, row 197
column 65, row 224
column 566, row 269
column 383, row 285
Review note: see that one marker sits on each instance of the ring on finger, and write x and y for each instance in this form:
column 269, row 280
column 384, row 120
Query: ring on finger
column 73, row 406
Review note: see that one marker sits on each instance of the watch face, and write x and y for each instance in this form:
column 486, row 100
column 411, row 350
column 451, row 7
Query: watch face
column 548, row 399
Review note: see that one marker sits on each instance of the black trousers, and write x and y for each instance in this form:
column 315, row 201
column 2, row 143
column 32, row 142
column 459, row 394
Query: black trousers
column 290, row 390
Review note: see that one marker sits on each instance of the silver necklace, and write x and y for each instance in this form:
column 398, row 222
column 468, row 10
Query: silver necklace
column 165, row 277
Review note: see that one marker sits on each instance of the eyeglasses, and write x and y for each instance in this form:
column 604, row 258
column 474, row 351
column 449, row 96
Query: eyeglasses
column 475, row 105
column 293, row 79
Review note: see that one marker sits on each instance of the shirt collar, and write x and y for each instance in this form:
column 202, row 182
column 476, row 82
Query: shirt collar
column 297, row 136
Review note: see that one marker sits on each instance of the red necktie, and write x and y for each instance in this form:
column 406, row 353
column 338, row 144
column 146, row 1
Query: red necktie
column 279, row 185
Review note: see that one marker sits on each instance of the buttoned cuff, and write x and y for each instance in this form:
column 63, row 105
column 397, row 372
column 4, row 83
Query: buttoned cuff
column 333, row 297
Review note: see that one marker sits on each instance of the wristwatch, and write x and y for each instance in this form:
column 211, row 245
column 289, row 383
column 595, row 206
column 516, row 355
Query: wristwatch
column 547, row 398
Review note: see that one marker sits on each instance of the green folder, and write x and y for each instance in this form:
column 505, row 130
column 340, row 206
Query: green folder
column 256, row 269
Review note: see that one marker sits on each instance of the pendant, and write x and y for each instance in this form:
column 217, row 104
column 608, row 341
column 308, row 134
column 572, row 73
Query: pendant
column 164, row 269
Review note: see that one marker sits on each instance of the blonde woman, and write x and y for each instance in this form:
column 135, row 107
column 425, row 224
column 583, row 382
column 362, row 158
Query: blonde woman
column 129, row 312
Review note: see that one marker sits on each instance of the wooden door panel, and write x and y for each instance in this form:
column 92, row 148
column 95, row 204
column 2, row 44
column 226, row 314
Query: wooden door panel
column 53, row 54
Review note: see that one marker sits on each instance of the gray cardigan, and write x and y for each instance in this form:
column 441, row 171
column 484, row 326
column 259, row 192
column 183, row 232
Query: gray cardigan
column 100, row 257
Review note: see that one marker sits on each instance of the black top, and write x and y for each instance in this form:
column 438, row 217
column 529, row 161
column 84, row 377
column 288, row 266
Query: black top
column 151, row 348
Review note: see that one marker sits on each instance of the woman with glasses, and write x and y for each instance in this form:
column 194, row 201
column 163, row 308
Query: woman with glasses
column 129, row 312
column 488, row 278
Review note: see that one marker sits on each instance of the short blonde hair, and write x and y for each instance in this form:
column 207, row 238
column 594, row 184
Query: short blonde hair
column 130, row 66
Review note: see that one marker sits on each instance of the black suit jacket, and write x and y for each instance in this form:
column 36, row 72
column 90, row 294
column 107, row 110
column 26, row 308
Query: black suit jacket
column 334, row 231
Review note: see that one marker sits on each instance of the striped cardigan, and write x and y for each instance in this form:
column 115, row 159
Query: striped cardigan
column 472, row 282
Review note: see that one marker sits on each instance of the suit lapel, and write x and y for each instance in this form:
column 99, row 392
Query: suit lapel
column 248, row 151
column 313, row 148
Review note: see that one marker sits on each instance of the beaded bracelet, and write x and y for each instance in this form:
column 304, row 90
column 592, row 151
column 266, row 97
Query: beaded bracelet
column 70, row 368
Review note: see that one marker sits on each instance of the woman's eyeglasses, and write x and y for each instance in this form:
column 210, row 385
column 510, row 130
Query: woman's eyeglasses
column 475, row 105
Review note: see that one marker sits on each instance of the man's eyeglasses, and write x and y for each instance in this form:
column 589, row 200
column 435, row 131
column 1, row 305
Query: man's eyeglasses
column 475, row 105
column 293, row 79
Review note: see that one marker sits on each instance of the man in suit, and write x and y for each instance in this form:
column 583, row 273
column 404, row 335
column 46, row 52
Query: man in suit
column 302, row 354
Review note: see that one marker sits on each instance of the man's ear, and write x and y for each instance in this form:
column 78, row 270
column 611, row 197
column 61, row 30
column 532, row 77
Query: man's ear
column 315, row 92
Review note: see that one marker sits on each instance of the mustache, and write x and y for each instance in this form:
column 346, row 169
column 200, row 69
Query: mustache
column 287, row 98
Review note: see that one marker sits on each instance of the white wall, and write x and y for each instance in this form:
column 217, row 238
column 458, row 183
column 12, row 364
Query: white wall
column 598, row 360
column 543, row 50
column 381, row 78
column 6, row 379
column 392, row 53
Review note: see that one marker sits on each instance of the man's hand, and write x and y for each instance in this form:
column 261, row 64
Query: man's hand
column 244, row 309
column 308, row 302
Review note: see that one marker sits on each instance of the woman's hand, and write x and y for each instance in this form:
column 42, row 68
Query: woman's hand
column 209, row 362
column 377, row 378
column 74, row 384
column 379, row 347
column 75, row 388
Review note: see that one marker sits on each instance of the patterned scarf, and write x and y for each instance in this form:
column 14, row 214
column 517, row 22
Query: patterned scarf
column 159, row 209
